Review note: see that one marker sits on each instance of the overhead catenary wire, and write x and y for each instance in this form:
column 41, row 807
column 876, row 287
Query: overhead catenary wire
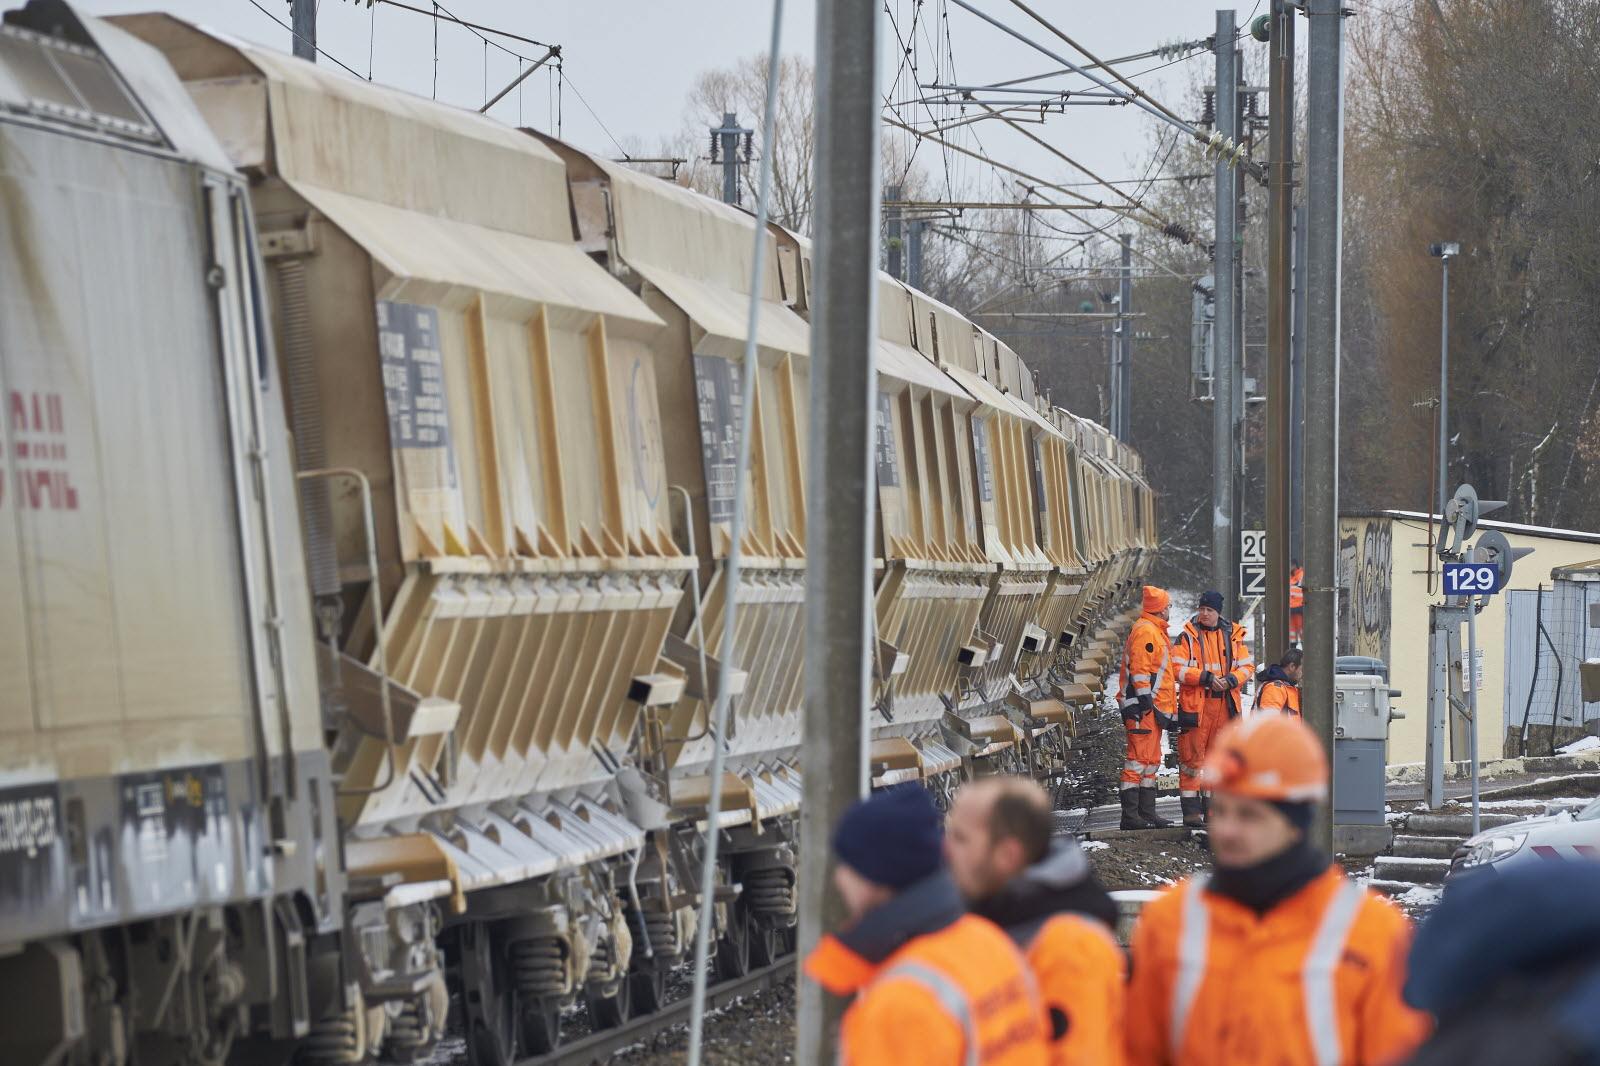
column 1135, row 94
column 1034, row 181
column 307, row 40
column 735, row 559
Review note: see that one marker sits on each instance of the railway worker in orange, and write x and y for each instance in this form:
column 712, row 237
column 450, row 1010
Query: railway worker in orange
column 1212, row 662
column 1297, row 601
column 1000, row 847
column 1149, row 701
column 1274, row 956
column 932, row 983
column 1279, row 689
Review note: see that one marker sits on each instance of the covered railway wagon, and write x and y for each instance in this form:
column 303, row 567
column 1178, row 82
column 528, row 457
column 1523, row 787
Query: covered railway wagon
column 373, row 659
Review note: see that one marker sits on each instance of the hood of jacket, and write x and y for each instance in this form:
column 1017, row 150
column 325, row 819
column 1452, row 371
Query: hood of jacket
column 1061, row 882
column 1273, row 673
column 845, row 961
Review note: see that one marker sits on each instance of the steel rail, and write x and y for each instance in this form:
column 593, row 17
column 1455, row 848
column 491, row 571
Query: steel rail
column 599, row 1047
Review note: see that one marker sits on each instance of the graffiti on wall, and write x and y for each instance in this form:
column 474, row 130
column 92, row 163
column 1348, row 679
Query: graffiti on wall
column 1366, row 566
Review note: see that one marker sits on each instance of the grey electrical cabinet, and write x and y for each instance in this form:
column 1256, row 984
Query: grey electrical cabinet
column 1361, row 716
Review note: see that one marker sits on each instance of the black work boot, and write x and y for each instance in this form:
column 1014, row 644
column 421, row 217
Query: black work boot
column 1147, row 810
column 1193, row 811
column 1205, row 807
column 1130, row 810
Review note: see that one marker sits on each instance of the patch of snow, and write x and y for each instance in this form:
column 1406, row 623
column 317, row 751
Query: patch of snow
column 1420, row 896
column 1395, row 817
column 1581, row 744
column 1093, row 845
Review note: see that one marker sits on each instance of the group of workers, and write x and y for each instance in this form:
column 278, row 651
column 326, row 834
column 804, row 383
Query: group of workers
column 989, row 941
column 995, row 946
column 1190, row 689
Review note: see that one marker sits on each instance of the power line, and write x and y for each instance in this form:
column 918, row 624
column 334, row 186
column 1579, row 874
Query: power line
column 302, row 37
column 596, row 117
column 450, row 16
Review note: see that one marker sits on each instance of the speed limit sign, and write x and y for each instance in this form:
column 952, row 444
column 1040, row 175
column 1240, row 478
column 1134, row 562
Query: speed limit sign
column 1253, row 546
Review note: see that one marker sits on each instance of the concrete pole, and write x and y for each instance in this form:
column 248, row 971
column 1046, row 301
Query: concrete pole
column 303, row 19
column 1280, row 413
column 839, row 522
column 896, row 235
column 1297, row 393
column 1224, row 537
column 1324, row 150
column 1125, row 330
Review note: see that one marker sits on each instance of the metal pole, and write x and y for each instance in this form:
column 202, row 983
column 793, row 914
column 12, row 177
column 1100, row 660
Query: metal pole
column 1280, row 231
column 1444, row 387
column 1470, row 679
column 729, row 135
column 894, row 222
column 915, row 232
column 1324, row 134
column 735, row 561
column 1224, row 537
column 520, row 78
column 839, row 522
column 303, row 22
column 1125, row 329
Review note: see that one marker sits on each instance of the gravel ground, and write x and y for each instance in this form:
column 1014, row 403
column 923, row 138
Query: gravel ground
column 756, row 1029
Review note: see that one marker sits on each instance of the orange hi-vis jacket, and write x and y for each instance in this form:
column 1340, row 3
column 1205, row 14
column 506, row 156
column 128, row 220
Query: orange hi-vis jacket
column 1147, row 665
column 1314, row 981
column 1279, row 694
column 1297, row 588
column 1081, row 972
column 1056, row 911
column 1220, row 652
column 934, row 986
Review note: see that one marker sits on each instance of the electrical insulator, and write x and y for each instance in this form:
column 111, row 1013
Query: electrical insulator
column 715, row 145
column 749, row 140
column 1208, row 114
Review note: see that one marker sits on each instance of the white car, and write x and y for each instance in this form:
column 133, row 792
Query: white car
column 1564, row 836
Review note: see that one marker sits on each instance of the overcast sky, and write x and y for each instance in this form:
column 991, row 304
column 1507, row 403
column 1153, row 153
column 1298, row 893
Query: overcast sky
column 628, row 64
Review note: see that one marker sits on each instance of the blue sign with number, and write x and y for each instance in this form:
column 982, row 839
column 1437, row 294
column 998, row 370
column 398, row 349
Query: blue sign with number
column 1471, row 579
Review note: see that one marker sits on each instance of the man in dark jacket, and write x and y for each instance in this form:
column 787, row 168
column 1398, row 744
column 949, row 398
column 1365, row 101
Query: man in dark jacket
column 1043, row 893
column 1279, row 687
column 1509, row 963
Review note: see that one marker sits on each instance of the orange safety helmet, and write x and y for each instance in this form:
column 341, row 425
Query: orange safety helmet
column 1155, row 600
column 1270, row 757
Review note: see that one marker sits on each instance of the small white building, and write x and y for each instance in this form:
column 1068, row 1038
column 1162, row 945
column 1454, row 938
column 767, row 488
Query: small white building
column 1388, row 579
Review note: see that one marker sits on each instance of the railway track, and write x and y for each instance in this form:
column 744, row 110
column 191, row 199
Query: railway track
column 598, row 1047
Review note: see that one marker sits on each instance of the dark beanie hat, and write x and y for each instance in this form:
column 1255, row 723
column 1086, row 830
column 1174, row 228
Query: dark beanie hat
column 1299, row 814
column 892, row 837
column 1211, row 599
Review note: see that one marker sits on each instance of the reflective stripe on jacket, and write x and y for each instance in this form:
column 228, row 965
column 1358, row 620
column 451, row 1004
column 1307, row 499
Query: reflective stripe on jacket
column 1147, row 666
column 1315, row 981
column 960, row 995
column 1219, row 652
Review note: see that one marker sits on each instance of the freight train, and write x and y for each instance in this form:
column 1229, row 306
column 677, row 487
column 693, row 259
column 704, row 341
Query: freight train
column 367, row 481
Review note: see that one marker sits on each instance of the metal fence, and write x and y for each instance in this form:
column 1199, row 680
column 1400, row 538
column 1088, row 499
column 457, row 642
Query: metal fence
column 1547, row 637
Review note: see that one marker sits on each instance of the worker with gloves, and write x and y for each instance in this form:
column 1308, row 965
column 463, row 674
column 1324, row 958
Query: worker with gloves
column 932, row 983
column 1000, row 847
column 1274, row 957
column 1507, row 963
column 1149, row 702
column 1212, row 662
column 1279, row 685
